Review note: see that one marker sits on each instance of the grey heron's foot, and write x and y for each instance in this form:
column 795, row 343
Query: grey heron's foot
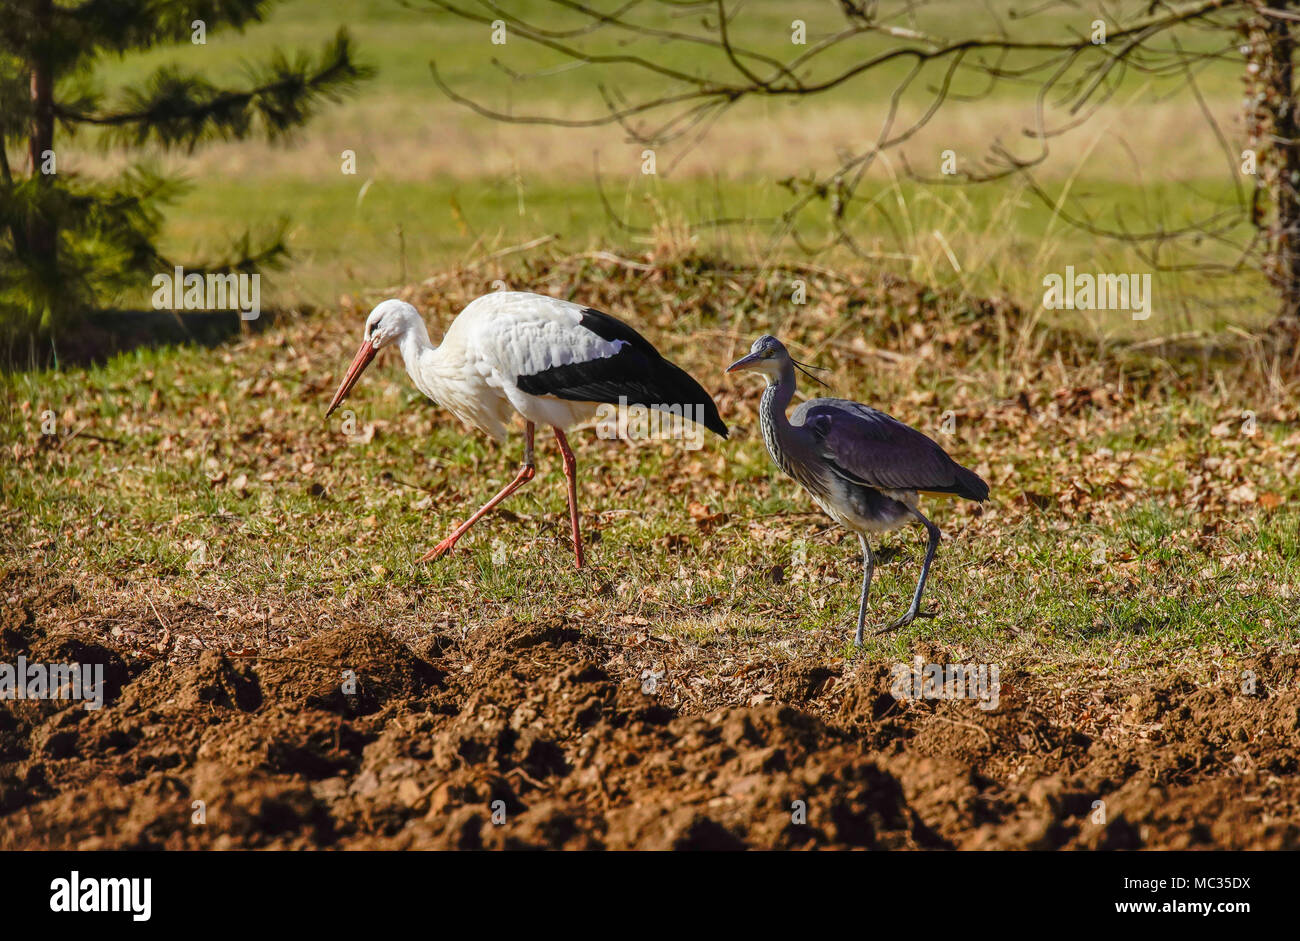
column 905, row 620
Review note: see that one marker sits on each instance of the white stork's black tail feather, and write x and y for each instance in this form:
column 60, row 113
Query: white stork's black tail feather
column 635, row 375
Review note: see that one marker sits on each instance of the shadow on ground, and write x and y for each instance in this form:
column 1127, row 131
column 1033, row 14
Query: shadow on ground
column 104, row 334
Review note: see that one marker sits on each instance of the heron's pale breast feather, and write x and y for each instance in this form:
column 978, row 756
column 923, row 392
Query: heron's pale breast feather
column 861, row 510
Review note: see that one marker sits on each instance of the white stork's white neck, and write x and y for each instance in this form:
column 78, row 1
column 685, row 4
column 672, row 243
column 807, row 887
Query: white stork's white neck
column 418, row 355
column 441, row 373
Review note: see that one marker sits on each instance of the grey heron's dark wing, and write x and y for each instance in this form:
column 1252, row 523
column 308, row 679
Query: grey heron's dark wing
column 868, row 447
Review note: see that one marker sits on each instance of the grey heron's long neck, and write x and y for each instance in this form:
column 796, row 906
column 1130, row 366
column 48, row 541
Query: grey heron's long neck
column 776, row 427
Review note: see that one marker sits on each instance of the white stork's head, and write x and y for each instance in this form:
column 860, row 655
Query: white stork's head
column 389, row 320
column 387, row 323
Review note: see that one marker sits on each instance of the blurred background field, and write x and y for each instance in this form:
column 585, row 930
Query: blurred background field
column 437, row 183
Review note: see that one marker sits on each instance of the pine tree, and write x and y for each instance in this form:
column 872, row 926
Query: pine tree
column 69, row 243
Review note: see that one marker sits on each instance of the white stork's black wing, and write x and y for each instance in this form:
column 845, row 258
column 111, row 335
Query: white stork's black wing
column 634, row 373
column 873, row 449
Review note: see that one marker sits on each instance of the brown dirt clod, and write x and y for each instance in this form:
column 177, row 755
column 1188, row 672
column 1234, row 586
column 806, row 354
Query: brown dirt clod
column 527, row 736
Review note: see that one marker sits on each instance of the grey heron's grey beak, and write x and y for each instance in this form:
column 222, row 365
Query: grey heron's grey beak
column 745, row 362
column 359, row 364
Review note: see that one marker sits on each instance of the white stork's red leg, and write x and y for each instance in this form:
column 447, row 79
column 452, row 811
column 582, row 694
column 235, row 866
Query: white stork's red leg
column 571, row 473
column 526, row 472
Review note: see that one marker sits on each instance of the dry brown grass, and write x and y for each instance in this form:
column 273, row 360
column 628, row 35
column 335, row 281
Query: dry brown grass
column 406, row 138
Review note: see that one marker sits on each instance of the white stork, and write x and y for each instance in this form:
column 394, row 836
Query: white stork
column 550, row 361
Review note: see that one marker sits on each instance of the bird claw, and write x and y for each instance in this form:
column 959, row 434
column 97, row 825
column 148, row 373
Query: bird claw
column 436, row 552
column 905, row 620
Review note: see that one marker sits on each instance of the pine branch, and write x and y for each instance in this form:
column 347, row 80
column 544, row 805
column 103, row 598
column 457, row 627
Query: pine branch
column 179, row 110
column 125, row 25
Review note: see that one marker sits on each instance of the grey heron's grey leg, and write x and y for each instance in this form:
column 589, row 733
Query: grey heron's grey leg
column 915, row 611
column 868, row 566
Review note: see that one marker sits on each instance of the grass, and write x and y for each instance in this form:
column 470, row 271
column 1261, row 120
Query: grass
column 457, row 184
column 1118, row 538
column 350, row 241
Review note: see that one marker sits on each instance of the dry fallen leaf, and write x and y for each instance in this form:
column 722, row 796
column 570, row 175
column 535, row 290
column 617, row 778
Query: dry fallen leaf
column 1244, row 493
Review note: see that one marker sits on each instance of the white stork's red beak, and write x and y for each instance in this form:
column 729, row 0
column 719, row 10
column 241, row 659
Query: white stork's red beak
column 359, row 364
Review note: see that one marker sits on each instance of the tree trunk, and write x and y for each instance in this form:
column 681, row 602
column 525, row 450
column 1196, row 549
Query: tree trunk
column 42, row 235
column 1275, row 138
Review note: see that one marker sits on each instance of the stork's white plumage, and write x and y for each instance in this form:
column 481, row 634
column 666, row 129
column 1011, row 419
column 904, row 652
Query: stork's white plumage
column 548, row 360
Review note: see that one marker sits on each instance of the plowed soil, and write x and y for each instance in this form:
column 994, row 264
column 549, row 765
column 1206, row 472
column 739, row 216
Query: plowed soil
column 522, row 735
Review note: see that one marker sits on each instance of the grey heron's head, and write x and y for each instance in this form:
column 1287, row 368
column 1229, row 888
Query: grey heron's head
column 388, row 322
column 768, row 356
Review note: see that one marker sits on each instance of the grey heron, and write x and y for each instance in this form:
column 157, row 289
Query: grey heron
column 864, row 468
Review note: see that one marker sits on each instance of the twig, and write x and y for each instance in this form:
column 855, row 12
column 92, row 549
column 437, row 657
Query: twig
column 165, row 625
column 258, row 656
column 512, row 250
column 77, row 432
column 625, row 262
